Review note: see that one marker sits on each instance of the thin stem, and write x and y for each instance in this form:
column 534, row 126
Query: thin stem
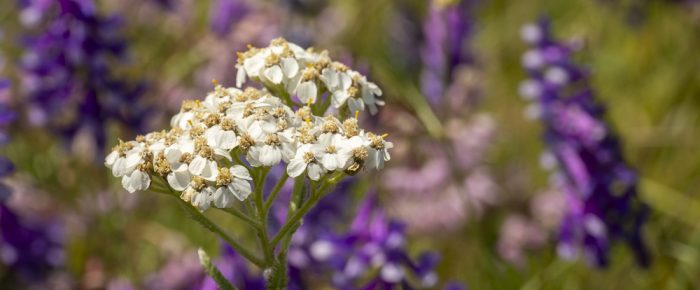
column 211, row 226
column 290, row 224
column 237, row 213
column 279, row 278
column 213, row 272
column 259, row 204
column 275, row 191
column 208, row 224
column 237, row 159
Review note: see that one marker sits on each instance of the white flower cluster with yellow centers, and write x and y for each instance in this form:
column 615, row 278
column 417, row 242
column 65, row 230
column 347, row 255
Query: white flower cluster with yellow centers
column 307, row 74
column 202, row 155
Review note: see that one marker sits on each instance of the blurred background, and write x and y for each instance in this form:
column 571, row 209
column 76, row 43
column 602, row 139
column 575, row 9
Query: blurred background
column 468, row 176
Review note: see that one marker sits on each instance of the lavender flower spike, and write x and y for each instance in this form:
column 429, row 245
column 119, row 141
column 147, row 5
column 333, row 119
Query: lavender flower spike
column 602, row 201
column 67, row 73
column 446, row 29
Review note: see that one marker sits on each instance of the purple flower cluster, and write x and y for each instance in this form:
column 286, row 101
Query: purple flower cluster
column 6, row 116
column 225, row 13
column 371, row 254
column 601, row 189
column 29, row 248
column 68, row 73
column 446, row 30
column 449, row 183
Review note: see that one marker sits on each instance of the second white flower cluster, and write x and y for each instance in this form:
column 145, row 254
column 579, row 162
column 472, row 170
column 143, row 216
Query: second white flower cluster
column 212, row 145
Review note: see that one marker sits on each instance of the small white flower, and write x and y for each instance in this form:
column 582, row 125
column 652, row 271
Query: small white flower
column 276, row 147
column 180, row 177
column 378, row 151
column 136, row 181
column 232, row 182
column 126, row 164
column 306, row 159
column 306, row 91
column 202, row 199
column 334, row 154
column 220, row 138
column 204, row 168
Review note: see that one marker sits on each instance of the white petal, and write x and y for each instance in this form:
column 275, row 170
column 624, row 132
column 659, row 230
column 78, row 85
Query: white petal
column 330, row 162
column 290, row 67
column 140, row 180
column 240, row 172
column 201, row 200
column 296, row 167
column 222, row 198
column 253, row 65
column 330, row 78
column 179, row 179
column 111, row 158
column 211, row 171
column 307, row 91
column 287, row 151
column 344, row 81
column 355, row 104
column 198, row 165
column 270, row 155
column 240, row 77
column 119, row 168
column 137, row 181
column 274, row 74
column 126, row 183
column 133, row 159
column 240, row 188
column 314, row 171
column 339, row 98
column 173, row 154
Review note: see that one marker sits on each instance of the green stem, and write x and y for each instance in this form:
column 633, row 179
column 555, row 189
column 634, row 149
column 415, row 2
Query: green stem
column 291, row 223
column 279, row 274
column 213, row 272
column 211, row 226
column 275, row 191
column 260, row 209
column 238, row 160
column 235, row 212
column 208, row 224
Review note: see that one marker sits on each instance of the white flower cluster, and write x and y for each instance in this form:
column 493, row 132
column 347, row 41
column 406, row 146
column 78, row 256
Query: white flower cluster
column 307, row 74
column 212, row 144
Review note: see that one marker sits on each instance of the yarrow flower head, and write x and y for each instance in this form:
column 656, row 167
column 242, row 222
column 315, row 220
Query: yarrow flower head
column 214, row 143
column 222, row 149
column 601, row 189
column 290, row 70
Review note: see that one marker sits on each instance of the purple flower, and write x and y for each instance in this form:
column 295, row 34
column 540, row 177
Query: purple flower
column 446, row 32
column 6, row 116
column 601, row 189
column 29, row 248
column 225, row 13
column 67, row 66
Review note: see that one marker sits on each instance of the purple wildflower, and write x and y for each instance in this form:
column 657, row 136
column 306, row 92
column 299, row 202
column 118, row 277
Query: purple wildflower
column 446, row 32
column 6, row 116
column 29, row 248
column 225, row 13
column 68, row 77
column 601, row 189
column 448, row 183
